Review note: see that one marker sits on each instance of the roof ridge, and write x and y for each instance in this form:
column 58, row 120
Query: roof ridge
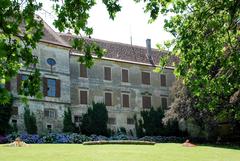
column 108, row 41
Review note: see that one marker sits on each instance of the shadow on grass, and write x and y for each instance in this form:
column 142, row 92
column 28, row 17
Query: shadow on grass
column 234, row 147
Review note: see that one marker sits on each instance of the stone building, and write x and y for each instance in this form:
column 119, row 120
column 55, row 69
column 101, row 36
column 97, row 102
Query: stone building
column 123, row 79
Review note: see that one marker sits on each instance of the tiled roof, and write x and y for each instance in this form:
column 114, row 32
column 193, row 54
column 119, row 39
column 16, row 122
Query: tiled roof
column 127, row 52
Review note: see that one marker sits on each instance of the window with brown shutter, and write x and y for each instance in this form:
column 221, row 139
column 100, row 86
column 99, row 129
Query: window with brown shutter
column 111, row 120
column 51, row 87
column 107, row 73
column 145, row 78
column 125, row 100
column 83, row 97
column 45, row 87
column 58, row 88
column 124, row 75
column 130, row 121
column 146, row 102
column 163, row 80
column 108, row 99
column 83, row 71
column 164, row 103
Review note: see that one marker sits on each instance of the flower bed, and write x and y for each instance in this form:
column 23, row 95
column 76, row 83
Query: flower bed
column 74, row 138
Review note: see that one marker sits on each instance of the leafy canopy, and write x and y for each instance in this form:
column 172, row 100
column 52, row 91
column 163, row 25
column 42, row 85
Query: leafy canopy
column 21, row 30
column 207, row 42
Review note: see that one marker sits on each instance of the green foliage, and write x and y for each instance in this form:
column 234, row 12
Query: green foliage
column 151, row 124
column 206, row 39
column 21, row 30
column 30, row 121
column 95, row 120
column 5, row 115
column 68, row 125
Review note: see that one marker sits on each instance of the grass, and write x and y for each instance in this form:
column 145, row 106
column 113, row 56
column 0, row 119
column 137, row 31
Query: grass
column 78, row 152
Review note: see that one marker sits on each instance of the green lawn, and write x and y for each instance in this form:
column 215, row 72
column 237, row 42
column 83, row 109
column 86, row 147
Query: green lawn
column 78, row 152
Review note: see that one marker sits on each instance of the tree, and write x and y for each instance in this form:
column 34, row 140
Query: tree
column 95, row 120
column 30, row 121
column 68, row 125
column 206, row 40
column 183, row 109
column 5, row 115
column 21, row 30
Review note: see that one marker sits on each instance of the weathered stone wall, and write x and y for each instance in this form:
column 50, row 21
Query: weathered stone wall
column 96, row 86
column 60, row 71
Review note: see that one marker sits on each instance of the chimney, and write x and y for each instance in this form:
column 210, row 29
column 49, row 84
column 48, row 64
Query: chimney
column 149, row 51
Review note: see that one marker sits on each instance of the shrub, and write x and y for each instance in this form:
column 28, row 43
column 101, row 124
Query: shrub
column 68, row 125
column 95, row 120
column 163, row 139
column 3, row 139
column 5, row 115
column 30, row 121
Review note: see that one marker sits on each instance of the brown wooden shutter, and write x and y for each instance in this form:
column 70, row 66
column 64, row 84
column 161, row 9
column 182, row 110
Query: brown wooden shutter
column 108, row 99
column 164, row 103
column 45, row 87
column 58, row 88
column 124, row 75
column 8, row 86
column 163, row 80
column 145, row 78
column 19, row 80
column 83, row 97
column 107, row 73
column 146, row 102
column 125, row 98
column 83, row 71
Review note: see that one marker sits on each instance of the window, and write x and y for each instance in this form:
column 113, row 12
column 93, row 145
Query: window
column 145, row 78
column 125, row 100
column 51, row 87
column 49, row 128
column 14, row 122
column 14, row 110
column 108, row 99
column 50, row 113
column 20, row 78
column 163, row 80
column 51, row 83
column 83, row 97
column 146, row 101
column 83, row 71
column 164, row 102
column 77, row 119
column 130, row 121
column 124, row 75
column 111, row 120
column 107, row 73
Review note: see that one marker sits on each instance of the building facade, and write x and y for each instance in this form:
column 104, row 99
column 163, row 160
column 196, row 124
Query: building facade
column 123, row 79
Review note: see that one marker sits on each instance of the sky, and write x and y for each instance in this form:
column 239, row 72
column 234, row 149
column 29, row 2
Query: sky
column 130, row 22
